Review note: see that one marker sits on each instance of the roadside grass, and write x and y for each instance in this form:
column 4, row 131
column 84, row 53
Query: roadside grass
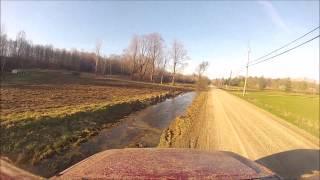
column 299, row 109
column 44, row 113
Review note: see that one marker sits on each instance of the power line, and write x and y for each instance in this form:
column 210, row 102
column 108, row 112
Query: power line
column 253, row 61
column 284, row 51
column 285, row 45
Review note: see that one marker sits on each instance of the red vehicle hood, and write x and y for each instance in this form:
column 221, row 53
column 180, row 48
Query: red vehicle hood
column 155, row 163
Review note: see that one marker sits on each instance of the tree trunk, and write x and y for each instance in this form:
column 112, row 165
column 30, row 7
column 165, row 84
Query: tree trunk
column 97, row 61
column 161, row 81
column 152, row 73
column 173, row 79
column 105, row 68
column 110, row 68
column 151, row 77
column 3, row 63
column 174, row 73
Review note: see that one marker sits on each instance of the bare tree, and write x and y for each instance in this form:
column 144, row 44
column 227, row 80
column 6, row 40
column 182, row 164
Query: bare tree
column 178, row 56
column 104, row 70
column 98, row 48
column 22, row 52
column 3, row 48
column 143, row 59
column 20, row 43
column 133, row 53
column 110, row 67
column 202, row 82
column 162, row 66
column 20, row 46
column 202, row 67
column 114, row 60
column 155, row 48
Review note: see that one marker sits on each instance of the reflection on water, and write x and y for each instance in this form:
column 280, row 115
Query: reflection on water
column 140, row 129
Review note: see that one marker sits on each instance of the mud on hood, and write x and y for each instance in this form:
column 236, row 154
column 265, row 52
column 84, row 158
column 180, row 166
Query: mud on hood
column 157, row 163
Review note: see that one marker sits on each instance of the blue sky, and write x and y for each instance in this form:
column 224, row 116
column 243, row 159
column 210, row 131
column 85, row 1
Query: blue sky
column 216, row 31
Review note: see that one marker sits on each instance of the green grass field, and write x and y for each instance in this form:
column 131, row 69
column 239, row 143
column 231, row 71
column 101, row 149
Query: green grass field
column 301, row 110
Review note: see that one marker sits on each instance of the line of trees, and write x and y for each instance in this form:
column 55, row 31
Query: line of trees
column 146, row 58
column 22, row 53
column 261, row 83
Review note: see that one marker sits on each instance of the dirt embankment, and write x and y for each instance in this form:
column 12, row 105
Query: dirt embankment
column 182, row 132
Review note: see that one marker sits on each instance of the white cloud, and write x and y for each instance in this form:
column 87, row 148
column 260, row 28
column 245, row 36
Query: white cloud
column 273, row 13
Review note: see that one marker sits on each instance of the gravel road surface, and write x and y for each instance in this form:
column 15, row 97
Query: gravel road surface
column 229, row 123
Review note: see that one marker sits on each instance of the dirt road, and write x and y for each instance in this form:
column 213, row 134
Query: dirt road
column 233, row 124
column 229, row 123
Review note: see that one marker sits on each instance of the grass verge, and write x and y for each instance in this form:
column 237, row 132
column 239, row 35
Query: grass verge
column 302, row 110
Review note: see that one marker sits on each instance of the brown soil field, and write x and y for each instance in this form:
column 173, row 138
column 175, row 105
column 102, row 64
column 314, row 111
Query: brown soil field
column 47, row 93
column 20, row 100
column 44, row 113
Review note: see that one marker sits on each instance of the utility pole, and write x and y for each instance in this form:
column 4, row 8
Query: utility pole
column 245, row 81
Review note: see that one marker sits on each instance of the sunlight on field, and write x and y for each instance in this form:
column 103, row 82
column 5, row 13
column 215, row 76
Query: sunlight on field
column 38, row 94
column 43, row 116
column 301, row 110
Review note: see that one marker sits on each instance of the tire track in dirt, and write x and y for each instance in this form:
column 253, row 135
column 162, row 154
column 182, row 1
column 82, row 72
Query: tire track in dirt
column 228, row 123
column 255, row 133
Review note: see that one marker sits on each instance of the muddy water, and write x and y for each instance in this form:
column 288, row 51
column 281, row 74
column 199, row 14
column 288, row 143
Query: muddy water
column 140, row 129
